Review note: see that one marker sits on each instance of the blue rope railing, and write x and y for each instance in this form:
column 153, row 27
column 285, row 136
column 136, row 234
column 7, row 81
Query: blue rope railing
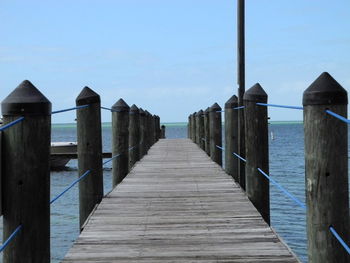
column 111, row 159
column 105, row 108
column 280, row 106
column 10, row 238
column 341, row 241
column 338, row 116
column 296, row 200
column 239, row 157
column 83, row 176
column 221, row 148
column 70, row 186
column 70, row 109
column 239, row 108
column 8, row 125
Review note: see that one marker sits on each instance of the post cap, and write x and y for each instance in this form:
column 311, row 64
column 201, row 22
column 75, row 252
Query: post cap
column 142, row 112
column 134, row 109
column 87, row 96
column 194, row 114
column 255, row 94
column 206, row 112
column 325, row 90
column 200, row 112
column 26, row 99
column 147, row 113
column 120, row 106
column 232, row 102
column 215, row 107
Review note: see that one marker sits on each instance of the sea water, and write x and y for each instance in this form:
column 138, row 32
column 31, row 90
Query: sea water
column 286, row 167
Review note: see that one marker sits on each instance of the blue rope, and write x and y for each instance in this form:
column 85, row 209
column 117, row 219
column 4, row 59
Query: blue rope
column 117, row 155
column 111, row 159
column 338, row 116
column 69, row 109
column 244, row 160
column 4, row 127
column 105, row 108
column 219, row 111
column 239, row 108
column 131, row 148
column 12, row 236
column 280, row 106
column 341, row 241
column 217, row 146
column 72, row 184
column 302, row 205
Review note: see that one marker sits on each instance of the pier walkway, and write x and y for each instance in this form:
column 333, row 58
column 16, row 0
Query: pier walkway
column 177, row 205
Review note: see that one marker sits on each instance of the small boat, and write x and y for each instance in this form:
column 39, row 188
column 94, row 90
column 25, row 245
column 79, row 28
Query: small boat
column 61, row 154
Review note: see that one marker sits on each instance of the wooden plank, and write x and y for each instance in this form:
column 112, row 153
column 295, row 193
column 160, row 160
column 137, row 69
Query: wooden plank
column 177, row 205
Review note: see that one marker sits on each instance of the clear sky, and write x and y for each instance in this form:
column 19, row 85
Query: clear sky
column 171, row 57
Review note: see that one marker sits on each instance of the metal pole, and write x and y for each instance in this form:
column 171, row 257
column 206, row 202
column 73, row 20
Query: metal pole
column 241, row 87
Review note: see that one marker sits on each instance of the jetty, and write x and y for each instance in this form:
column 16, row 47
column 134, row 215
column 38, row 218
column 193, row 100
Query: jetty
column 177, row 205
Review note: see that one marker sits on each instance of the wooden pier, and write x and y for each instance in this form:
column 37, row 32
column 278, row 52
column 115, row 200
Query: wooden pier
column 177, row 205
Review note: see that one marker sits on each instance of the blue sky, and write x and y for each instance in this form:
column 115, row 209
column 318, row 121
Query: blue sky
column 171, row 57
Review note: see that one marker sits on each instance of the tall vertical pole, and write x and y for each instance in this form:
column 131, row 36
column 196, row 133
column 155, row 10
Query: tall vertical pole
column 120, row 141
column 89, row 152
column 241, row 88
column 326, row 170
column 26, row 175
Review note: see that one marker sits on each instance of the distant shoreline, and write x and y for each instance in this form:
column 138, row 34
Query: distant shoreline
column 167, row 124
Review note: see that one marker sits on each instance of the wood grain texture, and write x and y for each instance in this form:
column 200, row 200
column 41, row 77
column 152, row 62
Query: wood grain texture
column 177, row 205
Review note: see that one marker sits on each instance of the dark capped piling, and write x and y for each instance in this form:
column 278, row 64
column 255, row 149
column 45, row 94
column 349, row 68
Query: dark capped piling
column 215, row 133
column 207, row 131
column 201, row 130
column 26, row 175
column 326, row 164
column 89, row 137
column 120, row 141
column 143, row 149
column 134, row 135
column 231, row 137
column 257, row 150
column 194, row 132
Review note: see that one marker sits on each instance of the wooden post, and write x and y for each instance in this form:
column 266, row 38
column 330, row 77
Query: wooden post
column 198, row 116
column 326, row 164
column 163, row 132
column 143, row 149
column 89, row 137
column 154, row 130
column 215, row 133
column 194, row 130
column 231, row 137
column 26, row 175
column 120, row 141
column 158, row 127
column 257, row 146
column 147, row 131
column 207, row 131
column 201, row 130
column 241, row 88
column 134, row 136
column 189, row 135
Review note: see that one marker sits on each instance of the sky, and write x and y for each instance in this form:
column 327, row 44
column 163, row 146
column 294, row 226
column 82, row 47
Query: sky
column 171, row 57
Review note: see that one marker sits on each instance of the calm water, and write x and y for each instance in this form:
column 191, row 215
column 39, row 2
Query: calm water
column 286, row 166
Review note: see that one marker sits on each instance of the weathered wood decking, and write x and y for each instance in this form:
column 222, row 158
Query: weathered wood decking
column 177, row 205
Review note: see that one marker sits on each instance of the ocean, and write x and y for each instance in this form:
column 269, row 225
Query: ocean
column 286, row 167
